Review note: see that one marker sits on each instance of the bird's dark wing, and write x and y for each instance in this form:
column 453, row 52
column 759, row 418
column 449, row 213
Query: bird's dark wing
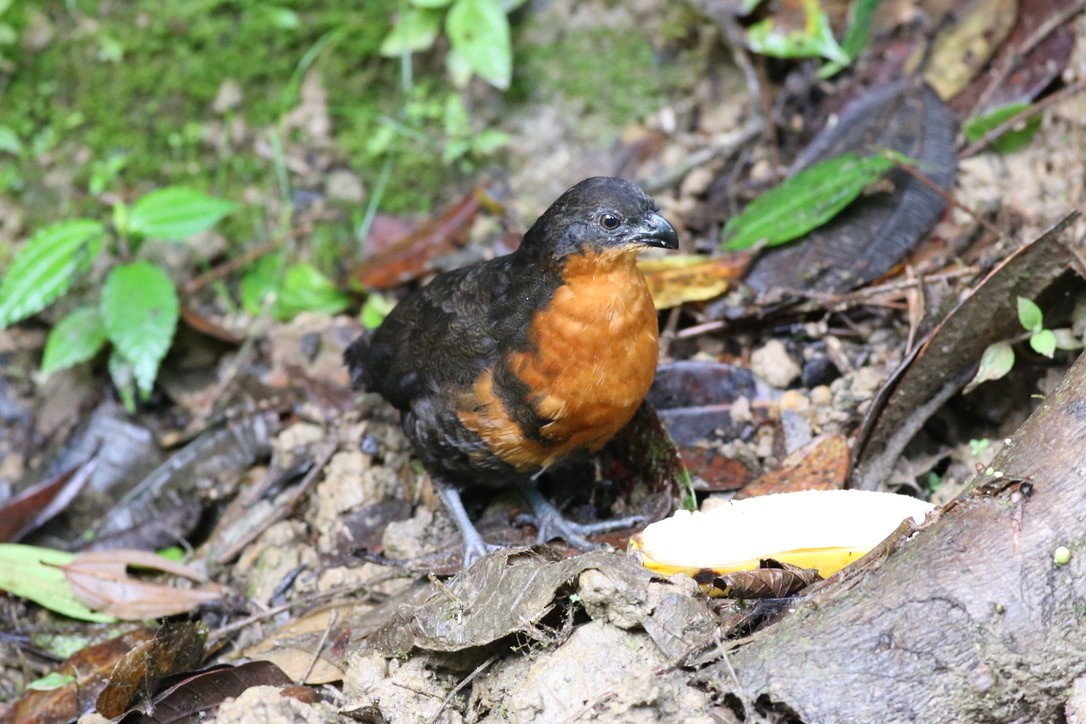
column 439, row 338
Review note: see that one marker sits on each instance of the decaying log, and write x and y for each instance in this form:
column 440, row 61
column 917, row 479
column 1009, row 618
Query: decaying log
column 971, row 620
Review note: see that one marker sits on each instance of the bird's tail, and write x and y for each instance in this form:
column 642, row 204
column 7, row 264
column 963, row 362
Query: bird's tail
column 357, row 359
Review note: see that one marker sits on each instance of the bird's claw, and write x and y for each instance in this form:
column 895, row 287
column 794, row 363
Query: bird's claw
column 476, row 549
column 551, row 524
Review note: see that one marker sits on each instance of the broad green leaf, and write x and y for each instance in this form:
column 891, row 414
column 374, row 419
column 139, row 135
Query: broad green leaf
column 807, row 200
column 305, row 289
column 140, row 309
column 47, row 266
column 174, row 213
column 1043, row 343
column 35, row 574
column 1029, row 315
column 1066, row 339
column 301, row 288
column 9, row 142
column 415, row 29
column 975, row 127
column 815, row 39
column 74, row 339
column 996, row 362
column 479, row 31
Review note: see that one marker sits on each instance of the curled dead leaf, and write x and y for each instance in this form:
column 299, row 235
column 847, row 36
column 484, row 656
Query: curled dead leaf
column 101, row 581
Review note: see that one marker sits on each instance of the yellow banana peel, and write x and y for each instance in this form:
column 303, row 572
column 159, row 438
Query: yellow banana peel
column 822, row 529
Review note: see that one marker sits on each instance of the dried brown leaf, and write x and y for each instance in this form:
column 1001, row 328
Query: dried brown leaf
column 176, row 648
column 100, row 580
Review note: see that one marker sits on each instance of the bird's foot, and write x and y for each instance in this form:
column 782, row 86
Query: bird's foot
column 552, row 524
column 474, row 545
column 475, row 548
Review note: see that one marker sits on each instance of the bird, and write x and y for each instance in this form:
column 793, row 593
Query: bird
column 506, row 367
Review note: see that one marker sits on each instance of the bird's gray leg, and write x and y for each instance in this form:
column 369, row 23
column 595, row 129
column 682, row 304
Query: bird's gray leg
column 552, row 524
column 474, row 545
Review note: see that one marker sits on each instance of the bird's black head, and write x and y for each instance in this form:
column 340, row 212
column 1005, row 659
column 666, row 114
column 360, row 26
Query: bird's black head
column 597, row 215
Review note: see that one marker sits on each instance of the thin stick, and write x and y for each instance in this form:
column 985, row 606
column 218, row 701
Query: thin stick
column 464, row 682
column 320, row 646
column 946, row 196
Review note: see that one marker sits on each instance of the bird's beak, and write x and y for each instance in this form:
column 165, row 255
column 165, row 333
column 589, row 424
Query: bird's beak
column 656, row 231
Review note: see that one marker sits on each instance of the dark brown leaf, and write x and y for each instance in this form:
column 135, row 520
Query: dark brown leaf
column 409, row 257
column 876, row 231
column 27, row 511
column 1026, row 63
column 91, row 667
column 772, row 579
column 197, row 695
column 176, row 648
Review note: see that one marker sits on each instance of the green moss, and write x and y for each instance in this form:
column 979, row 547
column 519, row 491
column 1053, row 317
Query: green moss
column 139, row 77
column 616, row 75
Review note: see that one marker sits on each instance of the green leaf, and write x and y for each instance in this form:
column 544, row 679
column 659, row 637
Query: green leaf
column 305, row 289
column 1029, row 315
column 174, row 213
column 74, row 339
column 280, row 17
column 9, row 142
column 47, row 266
column 59, row 646
column 415, row 29
column 479, row 31
column 1043, row 343
column 858, row 34
column 140, row 309
column 810, row 198
column 431, row 3
column 35, row 574
column 814, row 40
column 260, row 280
column 975, row 127
column 375, row 309
column 996, row 362
column 302, row 288
column 50, row 682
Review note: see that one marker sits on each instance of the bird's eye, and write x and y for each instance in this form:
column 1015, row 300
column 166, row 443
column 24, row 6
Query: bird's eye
column 609, row 221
